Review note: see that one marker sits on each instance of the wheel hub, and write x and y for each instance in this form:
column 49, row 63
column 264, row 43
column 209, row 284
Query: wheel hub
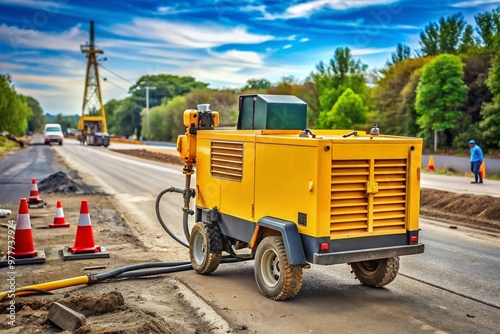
column 271, row 269
column 200, row 249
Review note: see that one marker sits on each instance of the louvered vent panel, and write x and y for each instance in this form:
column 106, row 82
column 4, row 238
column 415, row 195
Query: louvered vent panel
column 226, row 160
column 389, row 204
column 349, row 203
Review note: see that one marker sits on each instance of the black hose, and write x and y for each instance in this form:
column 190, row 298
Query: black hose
column 159, row 271
column 162, row 268
column 185, row 216
column 115, row 272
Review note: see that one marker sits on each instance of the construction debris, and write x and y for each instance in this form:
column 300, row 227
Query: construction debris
column 60, row 183
column 65, row 318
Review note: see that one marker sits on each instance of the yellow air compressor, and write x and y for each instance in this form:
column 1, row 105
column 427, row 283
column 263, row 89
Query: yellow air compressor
column 296, row 196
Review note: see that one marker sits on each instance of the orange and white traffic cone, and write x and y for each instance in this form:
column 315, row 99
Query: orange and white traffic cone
column 84, row 241
column 23, row 249
column 59, row 220
column 34, row 196
column 430, row 166
column 84, row 247
column 24, row 246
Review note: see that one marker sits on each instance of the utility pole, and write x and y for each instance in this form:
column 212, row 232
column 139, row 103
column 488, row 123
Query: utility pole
column 147, row 88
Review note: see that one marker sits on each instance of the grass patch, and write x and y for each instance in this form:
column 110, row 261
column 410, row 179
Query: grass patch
column 6, row 145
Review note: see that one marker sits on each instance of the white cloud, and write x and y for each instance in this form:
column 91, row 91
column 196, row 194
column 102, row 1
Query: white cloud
column 236, row 56
column 303, row 40
column 165, row 10
column 11, row 66
column 307, row 9
column 474, row 3
column 34, row 39
column 370, row 51
column 195, row 35
column 288, row 46
column 45, row 5
column 251, row 8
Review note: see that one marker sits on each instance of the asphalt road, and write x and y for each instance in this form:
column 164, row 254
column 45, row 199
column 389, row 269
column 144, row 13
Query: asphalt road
column 451, row 288
column 19, row 167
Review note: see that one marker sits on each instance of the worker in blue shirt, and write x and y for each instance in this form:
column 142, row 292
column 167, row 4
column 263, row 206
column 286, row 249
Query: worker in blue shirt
column 476, row 159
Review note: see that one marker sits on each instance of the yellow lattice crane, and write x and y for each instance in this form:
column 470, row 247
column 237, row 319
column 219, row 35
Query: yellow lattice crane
column 92, row 124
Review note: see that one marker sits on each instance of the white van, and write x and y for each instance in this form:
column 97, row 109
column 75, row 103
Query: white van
column 53, row 133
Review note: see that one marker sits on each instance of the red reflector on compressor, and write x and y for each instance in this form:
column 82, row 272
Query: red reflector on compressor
column 414, row 239
column 324, row 246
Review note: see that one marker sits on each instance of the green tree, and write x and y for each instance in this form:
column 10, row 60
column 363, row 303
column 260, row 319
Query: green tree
column 348, row 112
column 167, row 86
column 157, row 123
column 449, row 35
column 440, row 94
column 490, row 125
column 225, row 102
column 403, row 52
column 429, row 40
column 408, row 115
column 37, row 122
column 488, row 27
column 126, row 119
column 332, row 79
column 65, row 121
column 394, row 98
column 14, row 110
column 257, row 84
column 174, row 111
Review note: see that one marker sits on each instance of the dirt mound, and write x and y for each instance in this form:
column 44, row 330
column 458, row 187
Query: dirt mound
column 106, row 313
column 155, row 156
column 91, row 304
column 60, row 183
column 474, row 210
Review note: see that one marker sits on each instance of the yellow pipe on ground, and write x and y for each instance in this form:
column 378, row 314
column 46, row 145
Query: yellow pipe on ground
column 28, row 290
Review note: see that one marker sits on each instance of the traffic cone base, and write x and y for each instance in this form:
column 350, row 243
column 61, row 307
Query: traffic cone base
column 59, row 220
column 68, row 255
column 38, row 259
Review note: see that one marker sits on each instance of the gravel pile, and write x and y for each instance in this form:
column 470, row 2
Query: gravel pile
column 60, row 183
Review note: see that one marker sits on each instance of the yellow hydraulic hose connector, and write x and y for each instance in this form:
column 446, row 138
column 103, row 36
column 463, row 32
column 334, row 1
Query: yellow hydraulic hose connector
column 36, row 288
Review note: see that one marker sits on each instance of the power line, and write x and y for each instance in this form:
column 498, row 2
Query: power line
column 111, row 82
column 115, row 74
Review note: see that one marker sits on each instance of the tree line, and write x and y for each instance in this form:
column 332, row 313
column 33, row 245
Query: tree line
column 447, row 92
column 18, row 113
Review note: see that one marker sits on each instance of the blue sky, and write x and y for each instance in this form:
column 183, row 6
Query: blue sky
column 221, row 42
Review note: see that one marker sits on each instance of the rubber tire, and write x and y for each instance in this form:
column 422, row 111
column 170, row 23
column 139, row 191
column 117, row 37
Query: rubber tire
column 60, row 144
column 205, row 248
column 376, row 273
column 281, row 283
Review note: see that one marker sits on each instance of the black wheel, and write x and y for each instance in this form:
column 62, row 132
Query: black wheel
column 60, row 143
column 276, row 278
column 205, row 248
column 376, row 273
